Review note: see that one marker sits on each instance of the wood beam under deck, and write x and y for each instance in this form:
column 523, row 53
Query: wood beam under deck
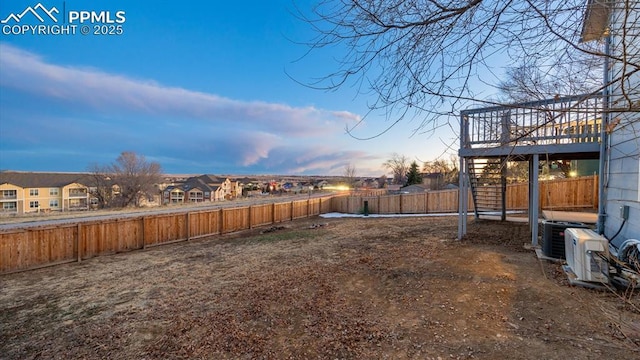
column 555, row 152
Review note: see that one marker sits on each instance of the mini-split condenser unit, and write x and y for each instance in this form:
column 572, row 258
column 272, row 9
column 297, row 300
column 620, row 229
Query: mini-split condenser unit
column 552, row 233
column 587, row 255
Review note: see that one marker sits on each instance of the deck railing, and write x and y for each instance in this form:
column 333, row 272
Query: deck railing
column 568, row 120
column 77, row 193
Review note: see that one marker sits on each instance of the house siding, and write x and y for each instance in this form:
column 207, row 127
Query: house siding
column 623, row 155
column 17, row 201
column 622, row 185
column 69, row 197
column 74, row 197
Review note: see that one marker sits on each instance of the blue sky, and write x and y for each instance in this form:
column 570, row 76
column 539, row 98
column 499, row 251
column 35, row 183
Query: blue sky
column 200, row 87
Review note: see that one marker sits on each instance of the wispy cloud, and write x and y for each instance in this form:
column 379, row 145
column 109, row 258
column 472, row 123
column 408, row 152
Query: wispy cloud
column 97, row 112
column 316, row 159
column 30, row 73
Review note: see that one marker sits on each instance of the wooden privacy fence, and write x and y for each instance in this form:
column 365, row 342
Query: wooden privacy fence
column 579, row 192
column 422, row 203
column 30, row 248
column 574, row 193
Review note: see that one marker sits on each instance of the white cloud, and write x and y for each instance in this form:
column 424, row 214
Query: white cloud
column 95, row 114
column 30, row 73
column 355, row 118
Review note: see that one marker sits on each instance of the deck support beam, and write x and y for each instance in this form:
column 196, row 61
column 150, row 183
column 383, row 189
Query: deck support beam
column 534, row 196
column 503, row 188
column 463, row 198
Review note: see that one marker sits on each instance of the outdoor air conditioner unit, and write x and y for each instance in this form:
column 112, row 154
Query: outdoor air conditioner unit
column 587, row 254
column 552, row 236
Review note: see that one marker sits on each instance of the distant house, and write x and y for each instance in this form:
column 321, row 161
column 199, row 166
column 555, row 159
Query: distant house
column 192, row 191
column 370, row 183
column 228, row 189
column 433, row 181
column 321, row 184
column 450, row 187
column 201, row 189
column 249, row 186
column 393, row 189
column 31, row 192
column 414, row 189
column 172, row 195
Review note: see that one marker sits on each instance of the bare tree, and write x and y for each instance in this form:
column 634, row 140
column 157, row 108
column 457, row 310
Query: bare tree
column 448, row 169
column 437, row 166
column 398, row 165
column 350, row 175
column 382, row 181
column 422, row 58
column 101, row 185
column 135, row 177
column 527, row 82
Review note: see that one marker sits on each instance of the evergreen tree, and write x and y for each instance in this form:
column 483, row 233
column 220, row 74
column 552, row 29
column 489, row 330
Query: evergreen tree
column 413, row 176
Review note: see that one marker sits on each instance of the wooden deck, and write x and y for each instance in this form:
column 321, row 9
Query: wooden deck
column 564, row 128
column 561, row 128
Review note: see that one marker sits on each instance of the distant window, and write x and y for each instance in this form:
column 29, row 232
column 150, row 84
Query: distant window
column 53, row 192
column 33, row 192
column 34, row 204
column 53, row 203
column 9, row 206
column 9, row 193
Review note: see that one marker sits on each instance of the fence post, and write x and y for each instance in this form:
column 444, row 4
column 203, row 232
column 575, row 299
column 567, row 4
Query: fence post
column 273, row 213
column 250, row 222
column 79, row 243
column 187, row 225
column 210, row 216
column 596, row 196
column 400, row 203
column 291, row 210
column 221, row 221
column 144, row 242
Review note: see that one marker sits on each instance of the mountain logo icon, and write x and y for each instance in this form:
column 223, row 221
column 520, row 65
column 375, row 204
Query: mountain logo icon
column 39, row 11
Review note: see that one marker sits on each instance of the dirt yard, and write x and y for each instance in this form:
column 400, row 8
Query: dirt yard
column 394, row 288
